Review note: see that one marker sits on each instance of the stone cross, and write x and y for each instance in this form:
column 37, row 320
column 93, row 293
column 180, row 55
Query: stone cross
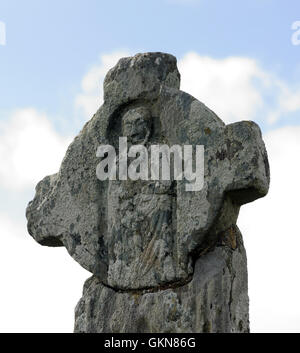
column 163, row 259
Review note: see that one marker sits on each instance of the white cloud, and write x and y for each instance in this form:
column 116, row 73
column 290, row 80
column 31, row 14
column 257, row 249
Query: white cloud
column 91, row 97
column 38, row 283
column 40, row 286
column 237, row 88
column 30, row 148
column 272, row 238
column 224, row 85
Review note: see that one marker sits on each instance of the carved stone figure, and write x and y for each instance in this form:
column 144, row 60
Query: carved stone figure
column 141, row 220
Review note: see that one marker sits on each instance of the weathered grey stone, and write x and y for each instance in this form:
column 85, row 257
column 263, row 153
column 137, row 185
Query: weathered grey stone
column 215, row 300
column 144, row 235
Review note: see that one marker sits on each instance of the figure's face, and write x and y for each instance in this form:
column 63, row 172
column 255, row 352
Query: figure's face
column 135, row 127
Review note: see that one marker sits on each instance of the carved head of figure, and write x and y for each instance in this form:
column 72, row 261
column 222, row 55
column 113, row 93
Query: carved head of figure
column 136, row 125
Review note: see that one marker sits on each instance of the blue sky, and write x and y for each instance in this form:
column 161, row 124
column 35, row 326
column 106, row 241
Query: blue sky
column 235, row 56
column 51, row 44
